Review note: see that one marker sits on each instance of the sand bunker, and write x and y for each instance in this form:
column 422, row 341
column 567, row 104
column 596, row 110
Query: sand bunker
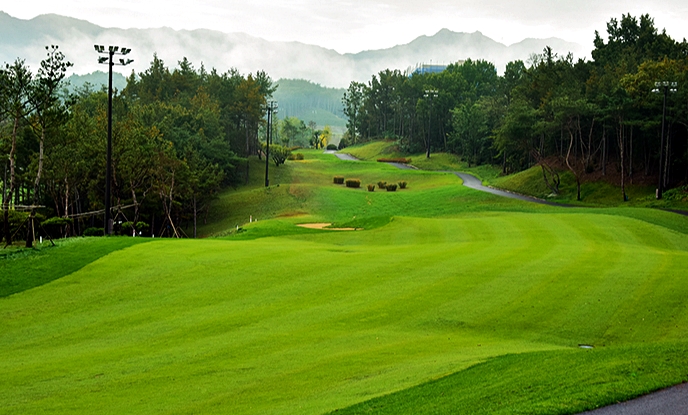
column 324, row 226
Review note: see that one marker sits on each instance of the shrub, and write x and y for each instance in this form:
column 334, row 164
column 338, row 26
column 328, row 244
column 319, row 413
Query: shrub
column 338, row 180
column 57, row 227
column 353, row 183
column 142, row 227
column 394, row 160
column 332, row 147
column 402, row 184
column 279, row 154
column 391, row 187
column 93, row 232
column 381, row 184
column 371, row 187
column 299, row 156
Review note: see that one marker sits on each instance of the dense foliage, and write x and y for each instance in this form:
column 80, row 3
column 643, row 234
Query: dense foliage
column 178, row 137
column 590, row 117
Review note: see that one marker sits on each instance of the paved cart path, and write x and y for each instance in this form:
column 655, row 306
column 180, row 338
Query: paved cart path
column 670, row 401
column 474, row 183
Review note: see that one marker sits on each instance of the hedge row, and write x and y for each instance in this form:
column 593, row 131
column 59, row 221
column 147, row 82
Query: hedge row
column 394, row 160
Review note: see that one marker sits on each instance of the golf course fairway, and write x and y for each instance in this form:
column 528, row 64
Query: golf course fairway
column 448, row 301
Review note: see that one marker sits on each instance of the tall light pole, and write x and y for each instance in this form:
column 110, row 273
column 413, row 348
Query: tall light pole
column 110, row 52
column 272, row 109
column 663, row 87
column 430, row 94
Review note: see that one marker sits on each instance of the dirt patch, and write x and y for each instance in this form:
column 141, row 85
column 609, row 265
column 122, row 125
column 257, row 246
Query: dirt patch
column 324, row 226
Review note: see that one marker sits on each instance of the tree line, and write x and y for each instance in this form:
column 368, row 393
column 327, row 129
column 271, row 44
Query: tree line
column 179, row 136
column 591, row 117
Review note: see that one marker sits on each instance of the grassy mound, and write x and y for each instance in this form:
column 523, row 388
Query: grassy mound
column 25, row 269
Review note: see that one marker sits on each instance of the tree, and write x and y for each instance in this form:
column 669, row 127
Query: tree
column 45, row 102
column 353, row 101
column 16, row 100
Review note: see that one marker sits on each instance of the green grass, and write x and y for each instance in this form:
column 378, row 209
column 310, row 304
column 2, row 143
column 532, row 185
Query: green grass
column 23, row 269
column 549, row 382
column 450, row 301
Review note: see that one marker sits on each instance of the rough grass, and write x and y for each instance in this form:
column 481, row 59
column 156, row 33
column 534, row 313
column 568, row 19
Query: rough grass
column 450, row 301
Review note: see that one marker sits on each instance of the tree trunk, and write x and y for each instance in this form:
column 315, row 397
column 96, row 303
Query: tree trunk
column 568, row 164
column 604, row 151
column 40, row 167
column 620, row 138
column 195, row 210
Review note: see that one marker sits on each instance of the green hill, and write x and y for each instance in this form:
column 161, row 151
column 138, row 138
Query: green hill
column 310, row 102
column 446, row 300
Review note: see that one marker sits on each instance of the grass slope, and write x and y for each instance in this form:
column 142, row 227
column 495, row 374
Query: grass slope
column 24, row 269
column 600, row 193
column 450, row 301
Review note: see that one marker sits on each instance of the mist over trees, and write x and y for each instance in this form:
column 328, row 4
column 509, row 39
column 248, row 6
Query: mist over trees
column 596, row 117
column 179, row 136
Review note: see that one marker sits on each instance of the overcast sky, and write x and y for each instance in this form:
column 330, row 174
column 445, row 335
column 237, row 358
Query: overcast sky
column 356, row 25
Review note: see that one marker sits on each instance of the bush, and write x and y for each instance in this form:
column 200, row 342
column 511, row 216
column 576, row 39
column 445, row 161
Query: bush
column 142, row 227
column 371, row 187
column 381, row 184
column 279, row 154
column 402, row 184
column 299, row 156
column 353, row 183
column 332, row 147
column 57, row 227
column 338, row 180
column 391, row 187
column 93, row 232
column 394, row 160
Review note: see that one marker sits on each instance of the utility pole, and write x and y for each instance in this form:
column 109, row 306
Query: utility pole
column 111, row 51
column 272, row 109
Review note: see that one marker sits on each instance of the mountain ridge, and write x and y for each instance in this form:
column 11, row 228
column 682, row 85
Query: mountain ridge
column 26, row 39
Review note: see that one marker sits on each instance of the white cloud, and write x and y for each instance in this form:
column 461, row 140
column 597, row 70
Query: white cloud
column 355, row 25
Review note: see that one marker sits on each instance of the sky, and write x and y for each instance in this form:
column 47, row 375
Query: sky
column 350, row 26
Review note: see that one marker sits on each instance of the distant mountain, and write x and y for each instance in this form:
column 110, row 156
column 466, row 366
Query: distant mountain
column 27, row 39
column 96, row 81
